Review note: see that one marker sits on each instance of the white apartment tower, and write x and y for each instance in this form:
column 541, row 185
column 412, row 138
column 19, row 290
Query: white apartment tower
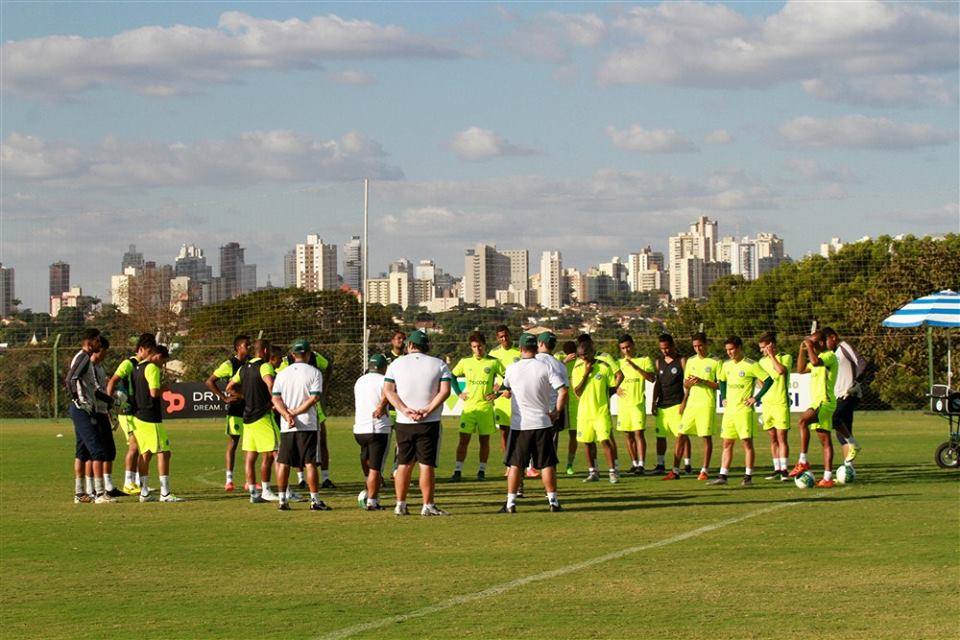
column 551, row 277
column 316, row 265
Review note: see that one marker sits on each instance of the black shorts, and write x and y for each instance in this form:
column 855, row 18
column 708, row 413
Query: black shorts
column 298, row 449
column 373, row 448
column 535, row 445
column 418, row 443
column 105, row 431
column 844, row 414
column 90, row 440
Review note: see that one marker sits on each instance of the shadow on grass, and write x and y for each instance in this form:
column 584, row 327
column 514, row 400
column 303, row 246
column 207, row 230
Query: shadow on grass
column 591, row 505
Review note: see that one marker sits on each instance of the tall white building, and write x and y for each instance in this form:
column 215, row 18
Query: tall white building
column 551, row 280
column 696, row 276
column 645, row 270
column 751, row 257
column 485, row 271
column 519, row 267
column 316, row 265
column 827, row 249
column 700, row 242
column 353, row 264
column 7, row 290
column 425, row 270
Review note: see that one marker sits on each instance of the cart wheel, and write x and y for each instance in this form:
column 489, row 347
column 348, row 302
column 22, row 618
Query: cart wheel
column 948, row 456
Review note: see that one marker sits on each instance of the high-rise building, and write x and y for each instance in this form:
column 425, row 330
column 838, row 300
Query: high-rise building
column 551, row 280
column 124, row 289
column 59, row 278
column 575, row 286
column 746, row 254
column 192, row 263
column 519, row 267
column 485, row 271
column 378, row 291
column 827, row 249
column 290, row 269
column 180, row 294
column 641, row 268
column 132, row 258
column 403, row 265
column 248, row 278
column 425, row 270
column 696, row 276
column 316, row 265
column 231, row 268
column 699, row 242
column 71, row 298
column 353, row 264
column 7, row 290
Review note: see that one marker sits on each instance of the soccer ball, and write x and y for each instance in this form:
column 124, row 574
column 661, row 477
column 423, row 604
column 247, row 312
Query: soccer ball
column 805, row 480
column 846, row 474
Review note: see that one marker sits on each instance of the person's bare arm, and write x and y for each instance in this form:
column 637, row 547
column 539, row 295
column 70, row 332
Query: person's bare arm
column 776, row 364
column 381, row 408
column 578, row 391
column 390, row 389
column 442, row 394
column 211, row 383
column 112, row 384
column 561, row 402
column 802, row 358
column 813, row 356
column 283, row 410
column 305, row 406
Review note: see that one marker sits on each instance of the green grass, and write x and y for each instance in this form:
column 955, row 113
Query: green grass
column 875, row 559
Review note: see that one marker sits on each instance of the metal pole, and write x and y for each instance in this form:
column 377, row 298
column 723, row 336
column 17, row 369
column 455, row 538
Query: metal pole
column 930, row 355
column 56, row 379
column 363, row 294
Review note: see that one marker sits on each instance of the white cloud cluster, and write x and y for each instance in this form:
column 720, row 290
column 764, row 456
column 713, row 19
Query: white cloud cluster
column 475, row 144
column 165, row 61
column 255, row 157
column 812, row 171
column 552, row 36
column 718, row 136
column 861, row 132
column 884, row 91
column 712, row 45
column 636, row 138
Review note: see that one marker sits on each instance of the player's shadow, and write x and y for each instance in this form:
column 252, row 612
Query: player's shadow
column 626, row 504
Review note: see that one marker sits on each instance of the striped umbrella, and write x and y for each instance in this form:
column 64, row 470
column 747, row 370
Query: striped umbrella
column 936, row 310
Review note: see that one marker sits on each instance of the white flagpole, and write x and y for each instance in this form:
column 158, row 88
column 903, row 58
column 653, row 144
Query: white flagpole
column 363, row 294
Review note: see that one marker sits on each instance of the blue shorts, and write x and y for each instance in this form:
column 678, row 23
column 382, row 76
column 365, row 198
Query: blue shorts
column 90, row 439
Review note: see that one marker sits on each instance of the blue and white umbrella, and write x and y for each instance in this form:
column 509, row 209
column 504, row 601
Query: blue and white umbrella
column 936, row 310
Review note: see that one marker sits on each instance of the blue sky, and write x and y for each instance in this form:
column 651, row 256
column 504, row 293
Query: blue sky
column 617, row 124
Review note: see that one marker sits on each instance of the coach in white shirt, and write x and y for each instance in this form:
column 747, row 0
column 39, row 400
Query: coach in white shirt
column 850, row 368
column 371, row 429
column 417, row 384
column 538, row 394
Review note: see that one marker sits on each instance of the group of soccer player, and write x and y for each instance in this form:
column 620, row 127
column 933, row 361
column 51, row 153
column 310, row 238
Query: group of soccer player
column 527, row 393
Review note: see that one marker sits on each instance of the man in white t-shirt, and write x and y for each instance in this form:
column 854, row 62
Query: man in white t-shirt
column 296, row 391
column 538, row 394
column 371, row 428
column 850, row 369
column 417, row 384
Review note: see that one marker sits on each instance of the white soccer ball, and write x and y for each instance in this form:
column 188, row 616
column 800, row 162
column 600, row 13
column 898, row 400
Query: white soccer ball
column 805, row 480
column 846, row 474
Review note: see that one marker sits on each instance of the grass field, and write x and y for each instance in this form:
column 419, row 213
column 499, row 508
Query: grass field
column 877, row 559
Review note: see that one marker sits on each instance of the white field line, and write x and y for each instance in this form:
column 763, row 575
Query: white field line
column 495, row 590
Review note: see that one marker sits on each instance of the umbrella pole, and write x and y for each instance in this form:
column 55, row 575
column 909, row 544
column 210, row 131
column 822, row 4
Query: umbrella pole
column 930, row 355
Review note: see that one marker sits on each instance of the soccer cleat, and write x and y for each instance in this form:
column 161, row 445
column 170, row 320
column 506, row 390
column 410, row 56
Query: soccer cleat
column 570, row 470
column 327, row 484
column 592, row 477
column 773, row 476
column 228, row 486
column 614, row 476
column 302, row 485
column 852, row 453
column 799, row 468
column 374, row 507
column 81, row 498
column 148, row 498
column 283, row 506
column 747, row 481
column 531, row 473
column 671, row 476
column 555, row 507
column 362, row 499
column 658, row 470
column 456, row 477
column 104, row 499
column 688, row 469
column 638, row 471
column 295, row 497
column 257, row 499
column 825, row 484
column 269, row 496
column 505, row 509
column 432, row 510
column 721, row 480
column 130, row 489
column 319, row 505
column 481, row 475
column 401, row 511
column 115, row 493
column 171, row 498
column 703, row 476
column 784, row 477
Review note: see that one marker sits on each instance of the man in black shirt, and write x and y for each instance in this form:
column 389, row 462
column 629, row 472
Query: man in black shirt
column 667, row 396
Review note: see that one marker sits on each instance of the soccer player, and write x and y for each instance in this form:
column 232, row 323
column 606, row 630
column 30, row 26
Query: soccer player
column 234, row 424
column 738, row 378
column 396, row 346
column 81, row 383
column 592, row 382
column 103, row 403
column 148, row 424
column 507, row 354
column 537, row 393
column 477, row 417
column 417, row 384
column 776, row 404
column 371, row 429
column 822, row 364
column 122, row 379
column 295, row 391
column 632, row 401
column 668, row 395
column 699, row 408
column 569, row 360
column 260, row 433
column 850, row 368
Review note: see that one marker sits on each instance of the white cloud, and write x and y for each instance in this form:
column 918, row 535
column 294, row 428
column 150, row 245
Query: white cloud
column 255, row 157
column 552, row 36
column 861, row 132
column 475, row 144
column 812, row 171
column 720, row 136
column 884, row 91
column 351, row 76
column 636, row 138
column 696, row 44
column 164, row 61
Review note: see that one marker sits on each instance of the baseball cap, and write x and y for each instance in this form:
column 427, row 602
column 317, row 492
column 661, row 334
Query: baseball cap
column 300, row 346
column 547, row 338
column 377, row 361
column 528, row 340
column 418, row 338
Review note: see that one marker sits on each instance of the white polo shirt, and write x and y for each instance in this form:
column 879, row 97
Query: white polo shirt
column 533, row 386
column 418, row 377
column 558, row 367
column 367, row 392
column 295, row 384
column 849, row 365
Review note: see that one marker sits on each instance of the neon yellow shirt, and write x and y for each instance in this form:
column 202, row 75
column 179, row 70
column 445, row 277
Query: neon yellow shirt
column 778, row 395
column 480, row 373
column 823, row 379
column 701, row 396
column 741, row 378
column 594, row 401
column 224, row 371
column 153, row 376
column 634, row 384
column 266, row 369
column 125, row 369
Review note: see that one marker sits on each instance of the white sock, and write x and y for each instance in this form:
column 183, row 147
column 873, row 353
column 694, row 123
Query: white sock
column 401, row 504
column 635, row 463
column 288, row 494
column 299, row 477
column 482, row 466
column 613, row 471
column 686, row 462
column 143, row 485
column 107, row 482
column 511, row 500
column 748, row 471
column 552, row 497
column 704, row 470
column 164, row 485
column 640, row 463
column 284, row 497
column 314, row 497
column 660, row 461
column 803, row 457
column 827, row 475
column 724, row 471
column 372, row 502
column 326, row 474
column 89, row 484
column 136, row 478
column 266, row 487
column 129, row 477
column 78, row 483
column 458, row 466
column 229, row 476
column 783, row 464
column 592, row 470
